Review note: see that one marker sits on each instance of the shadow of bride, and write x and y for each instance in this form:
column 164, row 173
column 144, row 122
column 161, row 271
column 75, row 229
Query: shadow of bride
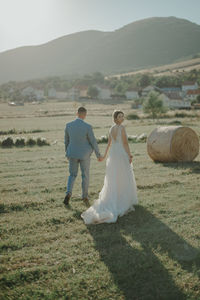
column 138, row 270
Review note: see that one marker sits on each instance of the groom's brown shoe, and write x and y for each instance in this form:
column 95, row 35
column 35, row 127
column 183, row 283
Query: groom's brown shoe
column 86, row 201
column 66, row 200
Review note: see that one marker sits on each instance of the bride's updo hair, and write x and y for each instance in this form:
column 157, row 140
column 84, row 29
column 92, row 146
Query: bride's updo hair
column 116, row 113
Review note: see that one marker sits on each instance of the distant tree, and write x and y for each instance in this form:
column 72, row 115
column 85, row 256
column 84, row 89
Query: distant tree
column 167, row 81
column 154, row 105
column 145, row 80
column 121, row 87
column 16, row 96
column 54, row 82
column 137, row 102
column 140, row 100
column 1, row 94
column 92, row 92
column 85, row 80
column 112, row 82
column 196, row 55
column 198, row 99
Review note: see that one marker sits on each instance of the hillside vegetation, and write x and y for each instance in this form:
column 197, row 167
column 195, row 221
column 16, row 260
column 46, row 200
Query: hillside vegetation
column 141, row 44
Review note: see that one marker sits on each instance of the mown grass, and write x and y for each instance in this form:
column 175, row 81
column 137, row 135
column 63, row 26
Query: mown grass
column 47, row 252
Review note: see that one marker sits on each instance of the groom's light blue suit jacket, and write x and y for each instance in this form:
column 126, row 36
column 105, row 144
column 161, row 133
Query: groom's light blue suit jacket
column 80, row 140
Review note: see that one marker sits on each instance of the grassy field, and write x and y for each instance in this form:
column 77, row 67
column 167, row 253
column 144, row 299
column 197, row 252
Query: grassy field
column 47, row 252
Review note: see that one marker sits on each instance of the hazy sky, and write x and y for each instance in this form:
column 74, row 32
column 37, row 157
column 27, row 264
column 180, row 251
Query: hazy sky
column 33, row 22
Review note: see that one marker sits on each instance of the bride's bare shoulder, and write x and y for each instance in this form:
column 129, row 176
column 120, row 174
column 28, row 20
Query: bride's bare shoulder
column 112, row 128
column 123, row 131
column 123, row 128
column 114, row 131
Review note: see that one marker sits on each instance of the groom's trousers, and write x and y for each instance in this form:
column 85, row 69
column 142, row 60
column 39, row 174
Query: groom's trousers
column 73, row 171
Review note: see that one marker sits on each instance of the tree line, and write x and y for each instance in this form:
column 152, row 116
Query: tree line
column 12, row 90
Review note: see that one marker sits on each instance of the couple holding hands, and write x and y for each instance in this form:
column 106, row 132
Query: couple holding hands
column 119, row 193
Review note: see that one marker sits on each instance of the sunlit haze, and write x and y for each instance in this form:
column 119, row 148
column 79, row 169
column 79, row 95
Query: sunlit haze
column 33, row 22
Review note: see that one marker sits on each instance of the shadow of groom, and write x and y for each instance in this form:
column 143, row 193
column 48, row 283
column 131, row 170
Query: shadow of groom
column 138, row 270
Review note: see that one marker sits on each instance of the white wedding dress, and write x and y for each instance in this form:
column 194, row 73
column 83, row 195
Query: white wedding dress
column 119, row 193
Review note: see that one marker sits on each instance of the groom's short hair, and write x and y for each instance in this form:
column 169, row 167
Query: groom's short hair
column 82, row 110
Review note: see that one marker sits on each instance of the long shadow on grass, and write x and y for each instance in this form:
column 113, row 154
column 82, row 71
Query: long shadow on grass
column 136, row 269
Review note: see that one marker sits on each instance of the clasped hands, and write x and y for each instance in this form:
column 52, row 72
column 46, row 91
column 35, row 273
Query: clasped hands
column 100, row 158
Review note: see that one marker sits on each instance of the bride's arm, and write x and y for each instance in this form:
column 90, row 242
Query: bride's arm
column 126, row 145
column 108, row 146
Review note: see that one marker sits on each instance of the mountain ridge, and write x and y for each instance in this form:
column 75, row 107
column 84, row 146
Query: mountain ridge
column 144, row 43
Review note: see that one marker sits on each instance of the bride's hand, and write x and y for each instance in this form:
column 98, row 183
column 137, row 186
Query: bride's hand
column 130, row 158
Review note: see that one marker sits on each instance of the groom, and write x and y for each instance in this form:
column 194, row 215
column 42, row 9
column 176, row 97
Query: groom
column 79, row 145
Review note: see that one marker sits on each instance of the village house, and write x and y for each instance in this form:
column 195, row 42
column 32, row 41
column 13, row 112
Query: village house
column 172, row 97
column 175, row 101
column 30, row 91
column 104, row 92
column 189, row 85
column 59, row 95
column 171, row 90
column 82, row 92
column 73, row 94
column 39, row 94
column 132, row 94
column 51, row 93
column 192, row 94
column 147, row 90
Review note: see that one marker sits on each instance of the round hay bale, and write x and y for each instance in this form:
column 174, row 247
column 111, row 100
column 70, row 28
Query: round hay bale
column 172, row 144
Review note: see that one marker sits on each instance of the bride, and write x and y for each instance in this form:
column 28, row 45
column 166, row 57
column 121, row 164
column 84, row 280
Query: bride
column 119, row 193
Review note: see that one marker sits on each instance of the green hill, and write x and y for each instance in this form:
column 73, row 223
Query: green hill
column 141, row 44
